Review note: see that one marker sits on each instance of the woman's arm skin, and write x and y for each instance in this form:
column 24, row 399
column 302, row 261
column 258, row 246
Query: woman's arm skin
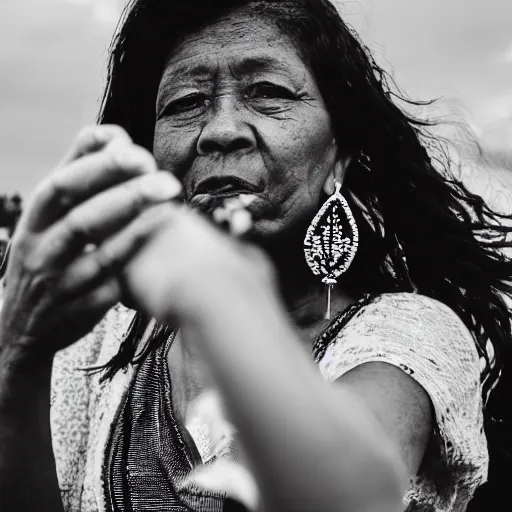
column 401, row 406
column 56, row 292
column 312, row 447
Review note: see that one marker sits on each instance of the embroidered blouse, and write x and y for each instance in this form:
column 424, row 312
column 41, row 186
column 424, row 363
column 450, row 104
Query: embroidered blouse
column 114, row 440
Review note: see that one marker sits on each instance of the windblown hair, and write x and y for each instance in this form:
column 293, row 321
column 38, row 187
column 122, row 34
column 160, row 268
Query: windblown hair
column 420, row 228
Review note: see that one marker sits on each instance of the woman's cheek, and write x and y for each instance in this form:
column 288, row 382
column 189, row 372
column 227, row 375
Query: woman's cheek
column 174, row 149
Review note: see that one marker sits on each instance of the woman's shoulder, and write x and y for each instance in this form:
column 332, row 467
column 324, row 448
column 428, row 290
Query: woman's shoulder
column 404, row 305
column 420, row 335
column 414, row 316
column 407, row 329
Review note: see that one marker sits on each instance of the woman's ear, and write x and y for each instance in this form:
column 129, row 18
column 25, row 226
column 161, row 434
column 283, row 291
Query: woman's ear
column 337, row 174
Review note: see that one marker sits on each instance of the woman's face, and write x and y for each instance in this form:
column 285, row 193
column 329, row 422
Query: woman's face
column 238, row 111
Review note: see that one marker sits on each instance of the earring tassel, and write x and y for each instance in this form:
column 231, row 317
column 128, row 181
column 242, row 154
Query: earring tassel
column 328, row 310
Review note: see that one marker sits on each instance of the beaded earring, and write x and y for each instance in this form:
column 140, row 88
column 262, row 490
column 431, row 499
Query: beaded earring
column 331, row 241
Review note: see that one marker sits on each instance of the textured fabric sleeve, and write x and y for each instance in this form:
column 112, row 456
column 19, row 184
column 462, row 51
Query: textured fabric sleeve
column 429, row 342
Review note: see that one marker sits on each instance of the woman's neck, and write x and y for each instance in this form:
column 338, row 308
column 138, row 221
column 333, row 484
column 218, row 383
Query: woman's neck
column 305, row 296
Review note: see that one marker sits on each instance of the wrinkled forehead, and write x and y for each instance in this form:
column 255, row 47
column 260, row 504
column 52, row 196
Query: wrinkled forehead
column 247, row 43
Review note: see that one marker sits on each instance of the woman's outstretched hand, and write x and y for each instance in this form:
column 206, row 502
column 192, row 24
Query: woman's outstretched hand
column 62, row 274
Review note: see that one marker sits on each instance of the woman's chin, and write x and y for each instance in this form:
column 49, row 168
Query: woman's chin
column 275, row 237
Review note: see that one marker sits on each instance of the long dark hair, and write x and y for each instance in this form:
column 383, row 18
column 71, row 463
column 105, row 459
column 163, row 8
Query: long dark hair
column 420, row 227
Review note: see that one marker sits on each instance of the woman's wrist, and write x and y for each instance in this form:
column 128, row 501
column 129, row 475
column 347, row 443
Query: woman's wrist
column 16, row 357
column 226, row 294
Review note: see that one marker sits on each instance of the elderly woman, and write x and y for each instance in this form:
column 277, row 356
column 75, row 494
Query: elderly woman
column 354, row 360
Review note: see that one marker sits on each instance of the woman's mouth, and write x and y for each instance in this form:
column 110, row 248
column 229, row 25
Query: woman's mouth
column 211, row 192
column 226, row 185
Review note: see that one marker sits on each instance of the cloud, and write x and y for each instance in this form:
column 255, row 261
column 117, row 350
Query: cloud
column 104, row 11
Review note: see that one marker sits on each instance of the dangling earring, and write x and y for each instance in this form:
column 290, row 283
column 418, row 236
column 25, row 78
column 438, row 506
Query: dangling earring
column 331, row 241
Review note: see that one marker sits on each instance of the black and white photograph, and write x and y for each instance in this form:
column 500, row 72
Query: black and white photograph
column 256, row 256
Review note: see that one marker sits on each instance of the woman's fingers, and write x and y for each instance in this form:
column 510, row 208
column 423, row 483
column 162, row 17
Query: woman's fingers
column 93, row 138
column 106, row 213
column 114, row 253
column 99, row 300
column 83, row 178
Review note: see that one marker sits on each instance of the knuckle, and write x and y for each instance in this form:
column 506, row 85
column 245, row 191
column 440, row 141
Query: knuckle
column 126, row 155
column 85, row 134
column 114, row 152
column 41, row 276
column 57, row 192
column 105, row 260
column 21, row 256
column 115, row 131
column 50, row 187
column 58, row 189
column 33, row 264
column 152, row 187
column 87, row 140
column 35, row 255
column 135, row 195
column 74, row 231
column 94, row 134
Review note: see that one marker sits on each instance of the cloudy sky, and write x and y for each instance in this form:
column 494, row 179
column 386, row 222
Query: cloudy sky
column 53, row 52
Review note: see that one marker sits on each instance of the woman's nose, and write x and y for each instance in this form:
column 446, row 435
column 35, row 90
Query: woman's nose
column 226, row 131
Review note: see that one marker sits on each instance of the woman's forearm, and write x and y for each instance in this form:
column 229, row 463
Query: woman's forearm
column 311, row 447
column 28, row 480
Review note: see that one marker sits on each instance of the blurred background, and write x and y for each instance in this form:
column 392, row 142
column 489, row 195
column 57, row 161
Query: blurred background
column 53, row 56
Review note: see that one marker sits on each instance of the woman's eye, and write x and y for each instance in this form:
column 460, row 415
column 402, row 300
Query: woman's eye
column 270, row 91
column 186, row 104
